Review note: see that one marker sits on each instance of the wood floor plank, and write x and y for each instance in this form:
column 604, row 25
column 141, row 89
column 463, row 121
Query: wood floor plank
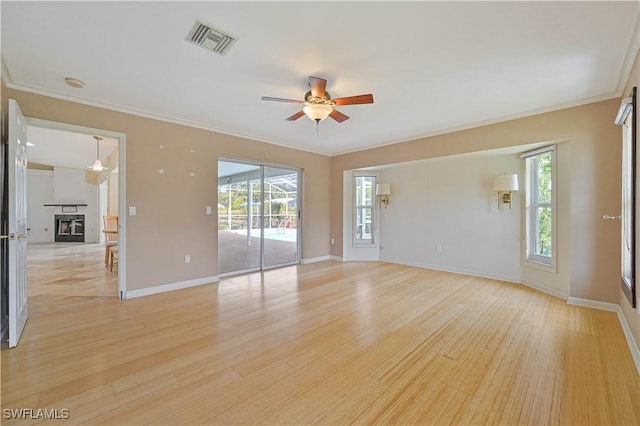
column 325, row 343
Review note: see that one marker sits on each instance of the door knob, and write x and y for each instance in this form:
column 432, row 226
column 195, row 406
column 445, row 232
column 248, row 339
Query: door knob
column 607, row 217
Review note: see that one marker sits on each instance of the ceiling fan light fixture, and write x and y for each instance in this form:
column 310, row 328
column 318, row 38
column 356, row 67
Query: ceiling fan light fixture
column 317, row 112
column 318, row 105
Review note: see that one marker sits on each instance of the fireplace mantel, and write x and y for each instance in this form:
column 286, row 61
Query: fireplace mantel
column 67, row 207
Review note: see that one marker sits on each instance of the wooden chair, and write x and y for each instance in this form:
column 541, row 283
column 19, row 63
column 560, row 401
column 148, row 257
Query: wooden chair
column 110, row 230
column 113, row 257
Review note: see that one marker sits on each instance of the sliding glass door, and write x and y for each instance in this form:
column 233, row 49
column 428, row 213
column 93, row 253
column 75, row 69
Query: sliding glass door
column 258, row 217
column 280, row 243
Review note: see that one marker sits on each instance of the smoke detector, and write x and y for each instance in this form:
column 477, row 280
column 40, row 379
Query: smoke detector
column 210, row 38
column 74, row 82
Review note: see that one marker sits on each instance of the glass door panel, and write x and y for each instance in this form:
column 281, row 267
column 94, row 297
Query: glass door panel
column 239, row 188
column 281, row 220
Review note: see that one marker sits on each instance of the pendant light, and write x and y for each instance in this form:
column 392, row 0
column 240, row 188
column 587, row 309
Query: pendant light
column 97, row 166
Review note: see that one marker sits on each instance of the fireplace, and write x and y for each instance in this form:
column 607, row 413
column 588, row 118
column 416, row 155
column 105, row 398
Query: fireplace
column 69, row 228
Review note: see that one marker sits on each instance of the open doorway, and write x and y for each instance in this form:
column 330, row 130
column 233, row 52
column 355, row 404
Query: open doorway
column 68, row 197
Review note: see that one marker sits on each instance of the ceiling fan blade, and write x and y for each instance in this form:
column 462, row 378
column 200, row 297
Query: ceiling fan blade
column 355, row 100
column 295, row 116
column 318, row 86
column 269, row 98
column 338, row 116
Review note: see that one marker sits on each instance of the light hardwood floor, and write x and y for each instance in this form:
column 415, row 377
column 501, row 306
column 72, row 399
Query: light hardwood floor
column 327, row 343
column 67, row 274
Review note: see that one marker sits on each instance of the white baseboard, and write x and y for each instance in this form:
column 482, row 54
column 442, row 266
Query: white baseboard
column 603, row 306
column 336, row 258
column 315, row 259
column 170, row 287
column 631, row 342
column 546, row 290
column 454, row 270
column 612, row 307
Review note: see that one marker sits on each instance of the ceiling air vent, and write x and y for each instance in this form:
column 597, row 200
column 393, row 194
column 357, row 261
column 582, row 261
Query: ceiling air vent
column 210, row 38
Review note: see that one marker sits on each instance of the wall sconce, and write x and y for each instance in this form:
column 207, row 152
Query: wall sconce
column 383, row 190
column 504, row 184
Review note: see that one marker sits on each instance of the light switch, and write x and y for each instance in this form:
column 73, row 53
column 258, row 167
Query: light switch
column 132, row 210
column 208, row 209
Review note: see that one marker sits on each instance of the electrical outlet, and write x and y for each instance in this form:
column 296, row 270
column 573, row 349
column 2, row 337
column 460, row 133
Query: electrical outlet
column 333, row 241
column 439, row 248
column 187, row 258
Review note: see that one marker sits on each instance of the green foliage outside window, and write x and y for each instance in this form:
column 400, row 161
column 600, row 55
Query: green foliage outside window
column 544, row 214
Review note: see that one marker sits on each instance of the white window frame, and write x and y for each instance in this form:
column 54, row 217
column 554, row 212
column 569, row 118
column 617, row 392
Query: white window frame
column 358, row 242
column 532, row 204
column 627, row 118
column 627, row 199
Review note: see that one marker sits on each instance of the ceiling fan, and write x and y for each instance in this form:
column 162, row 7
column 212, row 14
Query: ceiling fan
column 318, row 104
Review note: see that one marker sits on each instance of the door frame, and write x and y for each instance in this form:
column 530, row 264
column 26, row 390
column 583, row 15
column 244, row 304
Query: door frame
column 261, row 166
column 122, row 190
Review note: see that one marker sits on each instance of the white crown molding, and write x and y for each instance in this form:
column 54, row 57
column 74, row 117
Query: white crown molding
column 30, row 89
column 193, row 124
column 632, row 52
column 6, row 75
column 497, row 120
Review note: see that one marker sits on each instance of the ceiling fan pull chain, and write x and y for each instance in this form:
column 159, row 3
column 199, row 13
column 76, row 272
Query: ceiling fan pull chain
column 317, row 127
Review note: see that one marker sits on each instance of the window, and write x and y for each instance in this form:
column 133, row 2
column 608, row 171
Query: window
column 540, row 235
column 364, row 207
column 627, row 119
column 627, row 203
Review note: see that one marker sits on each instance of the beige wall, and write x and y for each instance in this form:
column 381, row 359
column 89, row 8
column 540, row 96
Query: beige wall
column 444, row 215
column 595, row 169
column 171, row 219
column 157, row 244
column 633, row 315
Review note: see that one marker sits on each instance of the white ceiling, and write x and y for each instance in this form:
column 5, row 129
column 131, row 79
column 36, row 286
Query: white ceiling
column 67, row 149
column 432, row 66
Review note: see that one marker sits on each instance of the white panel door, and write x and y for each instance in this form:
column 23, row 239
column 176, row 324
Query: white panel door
column 17, row 159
